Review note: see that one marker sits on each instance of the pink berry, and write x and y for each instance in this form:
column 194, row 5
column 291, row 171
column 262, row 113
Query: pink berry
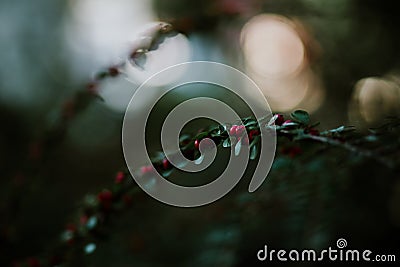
column 104, row 196
column 253, row 133
column 232, row 131
column 279, row 120
column 196, row 144
column 165, row 164
column 119, row 178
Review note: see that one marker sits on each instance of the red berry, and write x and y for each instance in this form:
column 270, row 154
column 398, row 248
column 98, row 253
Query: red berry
column 279, row 120
column 105, row 196
column 232, row 131
column 119, row 178
column 196, row 144
column 287, row 122
column 165, row 164
column 253, row 133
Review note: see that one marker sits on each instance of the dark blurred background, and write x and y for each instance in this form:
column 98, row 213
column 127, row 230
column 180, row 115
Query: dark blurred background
column 337, row 59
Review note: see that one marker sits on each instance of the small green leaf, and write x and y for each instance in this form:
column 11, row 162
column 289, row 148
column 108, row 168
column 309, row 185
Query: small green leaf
column 184, row 137
column 92, row 222
column 238, row 146
column 167, row 173
column 300, row 116
column 250, row 123
column 255, row 141
column 253, row 152
column 201, row 135
column 226, row 143
column 90, row 248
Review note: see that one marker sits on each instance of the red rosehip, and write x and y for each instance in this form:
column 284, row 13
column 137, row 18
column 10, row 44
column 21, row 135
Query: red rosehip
column 165, row 164
column 253, row 133
column 232, row 131
column 279, row 120
column 196, row 143
column 105, row 196
column 119, row 178
column 105, row 199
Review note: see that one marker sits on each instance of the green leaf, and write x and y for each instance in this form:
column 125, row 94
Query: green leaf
column 253, row 152
column 255, row 141
column 226, row 143
column 300, row 116
column 341, row 129
column 167, row 173
column 90, row 248
column 201, row 135
column 238, row 146
column 250, row 123
column 92, row 222
column 184, row 137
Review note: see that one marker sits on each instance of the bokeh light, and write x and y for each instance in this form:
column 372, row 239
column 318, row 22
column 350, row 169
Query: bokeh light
column 272, row 47
column 98, row 32
column 276, row 52
column 373, row 99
